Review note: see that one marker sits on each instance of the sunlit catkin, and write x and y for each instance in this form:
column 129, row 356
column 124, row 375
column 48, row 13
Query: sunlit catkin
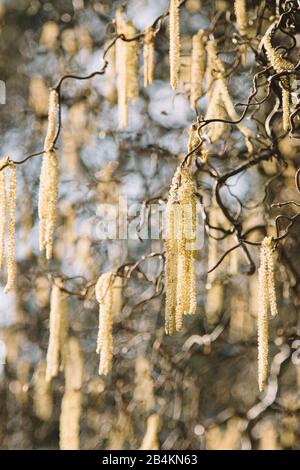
column 144, row 384
column 69, row 425
column 180, row 251
column 241, row 23
column 58, row 324
column 266, row 299
column 2, row 209
column 11, row 208
column 42, row 398
column 288, row 83
column 198, row 68
column 219, row 100
column 108, row 294
column 241, row 16
column 48, row 201
column 149, row 56
column 126, row 67
column 51, row 130
column 150, row 440
column 215, row 107
column 174, row 43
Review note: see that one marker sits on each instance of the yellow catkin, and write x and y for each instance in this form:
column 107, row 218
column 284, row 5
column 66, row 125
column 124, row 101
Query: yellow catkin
column 149, row 56
column 42, row 398
column 51, row 130
column 215, row 108
column 2, row 209
column 49, row 182
column 198, row 68
column 48, row 194
column 58, row 325
column 126, row 67
column 230, row 109
column 240, row 8
column 69, row 426
column 11, row 208
column 108, row 295
column 219, row 99
column 174, row 43
column 150, row 440
column 241, row 16
column 266, row 299
column 144, row 384
column 132, row 63
column 215, row 67
column 180, row 251
column 280, row 64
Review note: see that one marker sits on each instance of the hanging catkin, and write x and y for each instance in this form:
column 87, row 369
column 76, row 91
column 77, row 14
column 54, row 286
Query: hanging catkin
column 150, row 440
column 215, row 107
column 69, row 425
column 241, row 16
column 149, row 56
column 48, row 182
column 280, row 64
column 126, row 67
column 266, row 300
column 11, row 208
column 109, row 296
column 42, row 398
column 51, row 130
column 2, row 209
column 180, row 251
column 48, row 201
column 58, row 325
column 219, row 99
column 174, row 43
column 242, row 24
column 198, row 68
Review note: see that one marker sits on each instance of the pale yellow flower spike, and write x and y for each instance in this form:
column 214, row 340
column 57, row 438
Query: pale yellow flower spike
column 121, row 70
column 215, row 107
column 149, row 56
column 174, row 43
column 266, row 298
column 42, row 397
column 69, row 423
column 48, row 181
column 51, row 130
column 241, row 16
column 58, row 325
column 171, row 256
column 11, row 264
column 126, row 67
column 48, row 200
column 270, row 277
column 2, row 209
column 198, row 68
column 109, row 296
column 150, row 440
column 242, row 24
column 280, row 64
column 180, row 251
column 219, row 99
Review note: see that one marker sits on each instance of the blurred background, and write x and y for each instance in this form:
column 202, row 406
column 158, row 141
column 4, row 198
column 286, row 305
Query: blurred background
column 197, row 389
